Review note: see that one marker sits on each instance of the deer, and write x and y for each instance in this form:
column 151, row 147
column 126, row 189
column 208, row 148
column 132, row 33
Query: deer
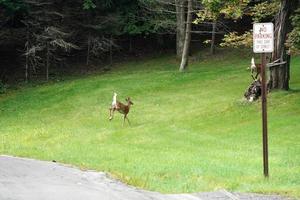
column 120, row 107
column 255, row 69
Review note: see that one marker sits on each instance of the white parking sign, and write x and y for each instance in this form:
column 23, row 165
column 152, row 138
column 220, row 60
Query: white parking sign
column 263, row 37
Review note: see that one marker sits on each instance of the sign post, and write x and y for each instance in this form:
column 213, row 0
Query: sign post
column 263, row 42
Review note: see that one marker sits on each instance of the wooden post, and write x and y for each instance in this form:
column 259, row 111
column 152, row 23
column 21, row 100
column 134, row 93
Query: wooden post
column 264, row 115
column 263, row 42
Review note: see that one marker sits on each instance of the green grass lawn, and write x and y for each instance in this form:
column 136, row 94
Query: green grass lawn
column 189, row 132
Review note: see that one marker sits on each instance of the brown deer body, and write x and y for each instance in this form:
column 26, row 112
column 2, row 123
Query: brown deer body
column 120, row 107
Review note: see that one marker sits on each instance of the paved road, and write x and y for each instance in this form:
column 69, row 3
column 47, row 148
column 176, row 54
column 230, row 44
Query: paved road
column 27, row 179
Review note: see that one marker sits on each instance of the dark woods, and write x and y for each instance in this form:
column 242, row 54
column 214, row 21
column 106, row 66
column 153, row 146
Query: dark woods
column 39, row 38
column 42, row 39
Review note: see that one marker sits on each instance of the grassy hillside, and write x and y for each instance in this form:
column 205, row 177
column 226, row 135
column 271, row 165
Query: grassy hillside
column 190, row 131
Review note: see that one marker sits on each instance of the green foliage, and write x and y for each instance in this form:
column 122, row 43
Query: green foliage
column 135, row 20
column 13, row 6
column 294, row 37
column 259, row 12
column 235, row 40
column 264, row 10
column 131, row 24
column 88, row 5
column 213, row 9
column 234, row 9
column 121, row 17
column 100, row 4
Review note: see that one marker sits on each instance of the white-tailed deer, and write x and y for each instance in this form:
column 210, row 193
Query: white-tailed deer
column 120, row 107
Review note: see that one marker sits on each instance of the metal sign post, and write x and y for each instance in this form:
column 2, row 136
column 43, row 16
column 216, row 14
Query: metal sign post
column 263, row 42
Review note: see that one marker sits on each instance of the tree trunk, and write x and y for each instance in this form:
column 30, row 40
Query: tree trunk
column 110, row 51
column 160, row 42
column 187, row 40
column 88, row 50
column 27, row 59
column 213, row 38
column 88, row 40
column 130, row 44
column 279, row 75
column 47, row 62
column 180, row 27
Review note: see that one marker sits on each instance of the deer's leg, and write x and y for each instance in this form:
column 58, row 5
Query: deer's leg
column 111, row 113
column 124, row 120
column 128, row 120
column 125, row 117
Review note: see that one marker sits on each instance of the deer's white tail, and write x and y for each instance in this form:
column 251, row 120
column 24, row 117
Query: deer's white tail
column 114, row 100
column 253, row 63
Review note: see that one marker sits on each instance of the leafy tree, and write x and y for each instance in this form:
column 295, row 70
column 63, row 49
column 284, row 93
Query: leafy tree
column 167, row 16
column 264, row 11
column 279, row 12
column 88, row 5
column 294, row 37
column 213, row 10
column 236, row 40
column 12, row 6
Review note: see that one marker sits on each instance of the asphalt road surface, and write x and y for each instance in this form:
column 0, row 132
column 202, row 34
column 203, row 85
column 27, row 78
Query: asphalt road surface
column 28, row 179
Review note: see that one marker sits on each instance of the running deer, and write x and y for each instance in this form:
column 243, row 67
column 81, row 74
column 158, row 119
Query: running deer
column 120, row 107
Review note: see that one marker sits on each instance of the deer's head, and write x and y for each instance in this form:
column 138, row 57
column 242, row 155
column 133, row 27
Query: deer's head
column 128, row 100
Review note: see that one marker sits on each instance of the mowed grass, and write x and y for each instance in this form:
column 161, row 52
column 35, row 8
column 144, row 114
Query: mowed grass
column 189, row 132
